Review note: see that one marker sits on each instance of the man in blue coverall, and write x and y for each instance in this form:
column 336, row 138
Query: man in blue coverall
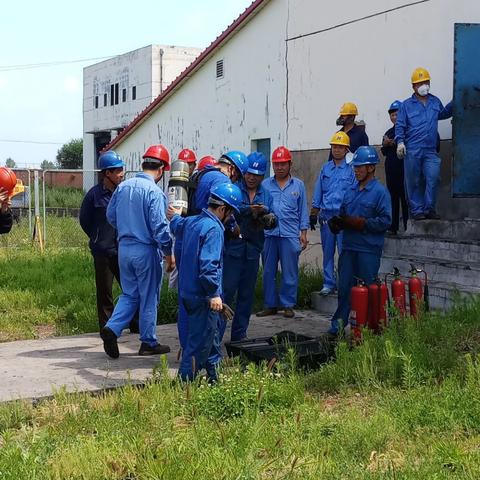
column 200, row 281
column 242, row 255
column 365, row 216
column 230, row 168
column 332, row 182
column 416, row 134
column 103, row 237
column 287, row 240
column 137, row 211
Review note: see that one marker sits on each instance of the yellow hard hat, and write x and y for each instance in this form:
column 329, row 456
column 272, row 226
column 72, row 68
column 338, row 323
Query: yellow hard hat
column 420, row 75
column 349, row 108
column 340, row 138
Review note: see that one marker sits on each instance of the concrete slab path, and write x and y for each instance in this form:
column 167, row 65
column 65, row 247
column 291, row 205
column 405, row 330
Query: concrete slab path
column 35, row 369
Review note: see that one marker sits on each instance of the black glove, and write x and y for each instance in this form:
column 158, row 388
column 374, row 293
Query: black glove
column 269, row 221
column 336, row 224
column 313, row 222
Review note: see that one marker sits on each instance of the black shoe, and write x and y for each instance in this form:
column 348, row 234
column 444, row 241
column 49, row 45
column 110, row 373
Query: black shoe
column 267, row 312
column 146, row 349
column 110, row 344
column 134, row 328
column 433, row 215
column 288, row 313
column 419, row 216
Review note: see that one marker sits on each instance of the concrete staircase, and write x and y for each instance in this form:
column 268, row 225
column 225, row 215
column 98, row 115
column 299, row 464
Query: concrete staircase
column 448, row 251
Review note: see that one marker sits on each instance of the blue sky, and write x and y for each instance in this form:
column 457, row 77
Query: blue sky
column 45, row 104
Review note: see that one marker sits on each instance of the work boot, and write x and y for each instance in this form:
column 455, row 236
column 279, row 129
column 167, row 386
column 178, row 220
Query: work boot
column 288, row 313
column 267, row 312
column 326, row 291
column 433, row 215
column 146, row 349
column 110, row 344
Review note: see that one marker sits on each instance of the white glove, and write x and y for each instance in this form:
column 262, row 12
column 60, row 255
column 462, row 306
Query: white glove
column 401, row 151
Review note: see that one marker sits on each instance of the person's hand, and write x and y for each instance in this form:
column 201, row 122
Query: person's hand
column 170, row 267
column 257, row 210
column 354, row 223
column 172, row 211
column 313, row 217
column 401, row 151
column 5, row 201
column 335, row 224
column 388, row 142
column 303, row 240
column 216, row 304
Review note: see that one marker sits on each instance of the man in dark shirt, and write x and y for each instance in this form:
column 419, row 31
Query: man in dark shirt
column 356, row 133
column 6, row 219
column 103, row 242
column 394, row 172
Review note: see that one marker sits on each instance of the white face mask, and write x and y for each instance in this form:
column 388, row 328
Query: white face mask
column 423, row 90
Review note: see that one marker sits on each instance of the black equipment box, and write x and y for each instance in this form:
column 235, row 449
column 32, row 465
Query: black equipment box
column 309, row 351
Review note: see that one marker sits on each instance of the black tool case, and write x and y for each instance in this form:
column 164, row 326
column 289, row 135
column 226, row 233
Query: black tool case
column 310, row 352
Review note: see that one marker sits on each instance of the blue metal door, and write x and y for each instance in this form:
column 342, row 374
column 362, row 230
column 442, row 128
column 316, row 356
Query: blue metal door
column 466, row 111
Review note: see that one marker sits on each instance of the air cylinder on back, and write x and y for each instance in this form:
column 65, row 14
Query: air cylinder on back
column 178, row 186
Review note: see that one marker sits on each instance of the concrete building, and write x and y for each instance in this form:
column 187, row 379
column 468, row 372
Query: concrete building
column 118, row 89
column 281, row 71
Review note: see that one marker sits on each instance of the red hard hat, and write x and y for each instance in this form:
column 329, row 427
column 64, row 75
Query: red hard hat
column 187, row 155
column 205, row 161
column 8, row 179
column 158, row 152
column 281, row 154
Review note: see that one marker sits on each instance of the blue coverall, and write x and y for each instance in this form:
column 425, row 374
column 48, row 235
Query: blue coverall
column 201, row 279
column 283, row 242
column 210, row 179
column 137, row 211
column 330, row 187
column 362, row 251
column 242, row 261
column 417, row 128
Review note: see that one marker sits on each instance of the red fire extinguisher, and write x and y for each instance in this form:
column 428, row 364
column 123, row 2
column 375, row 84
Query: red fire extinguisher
column 377, row 305
column 358, row 308
column 417, row 290
column 398, row 291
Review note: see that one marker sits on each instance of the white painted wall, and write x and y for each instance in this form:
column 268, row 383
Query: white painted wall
column 368, row 62
column 212, row 116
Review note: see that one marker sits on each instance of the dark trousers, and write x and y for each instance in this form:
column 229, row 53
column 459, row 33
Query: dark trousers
column 106, row 269
column 399, row 199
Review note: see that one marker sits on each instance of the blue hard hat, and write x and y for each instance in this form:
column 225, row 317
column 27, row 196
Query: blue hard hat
column 395, row 106
column 109, row 160
column 365, row 156
column 237, row 159
column 226, row 193
column 257, row 163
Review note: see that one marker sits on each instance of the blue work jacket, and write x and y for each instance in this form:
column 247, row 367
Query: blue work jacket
column 137, row 211
column 201, row 261
column 93, row 220
column 372, row 203
column 330, row 187
column 209, row 180
column 289, row 205
column 417, row 124
column 250, row 246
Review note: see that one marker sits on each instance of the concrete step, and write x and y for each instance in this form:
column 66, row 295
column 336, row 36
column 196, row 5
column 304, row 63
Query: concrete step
column 463, row 230
column 324, row 304
column 424, row 246
column 462, row 275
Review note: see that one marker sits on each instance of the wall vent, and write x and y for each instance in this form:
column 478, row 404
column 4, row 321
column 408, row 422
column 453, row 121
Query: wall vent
column 220, row 68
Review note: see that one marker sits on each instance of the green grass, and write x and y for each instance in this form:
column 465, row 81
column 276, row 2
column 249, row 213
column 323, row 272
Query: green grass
column 62, row 197
column 411, row 420
column 54, row 293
